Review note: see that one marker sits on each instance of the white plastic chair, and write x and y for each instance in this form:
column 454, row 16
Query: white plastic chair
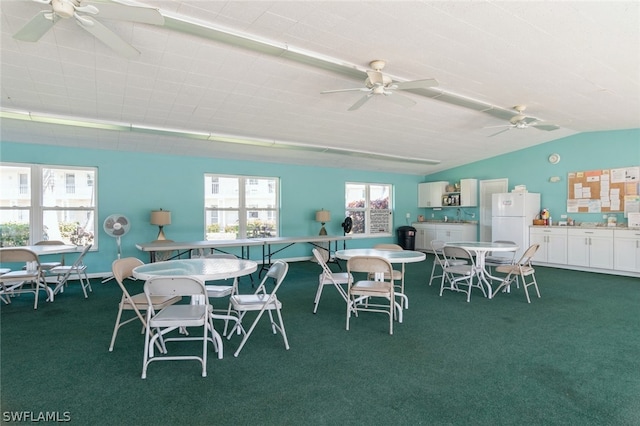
column 459, row 274
column 520, row 269
column 176, row 317
column 218, row 291
column 28, row 280
column 328, row 277
column 47, row 266
column 361, row 292
column 439, row 261
column 123, row 269
column 261, row 301
column 398, row 275
column 65, row 272
column 500, row 258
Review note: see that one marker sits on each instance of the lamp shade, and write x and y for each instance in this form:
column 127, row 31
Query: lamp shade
column 160, row 217
column 323, row 216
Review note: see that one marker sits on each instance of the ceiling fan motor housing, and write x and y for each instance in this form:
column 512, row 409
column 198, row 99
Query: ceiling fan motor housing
column 64, row 8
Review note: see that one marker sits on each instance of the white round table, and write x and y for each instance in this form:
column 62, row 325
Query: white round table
column 393, row 256
column 481, row 248
column 205, row 269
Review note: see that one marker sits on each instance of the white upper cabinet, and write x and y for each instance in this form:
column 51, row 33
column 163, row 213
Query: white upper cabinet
column 435, row 194
column 430, row 194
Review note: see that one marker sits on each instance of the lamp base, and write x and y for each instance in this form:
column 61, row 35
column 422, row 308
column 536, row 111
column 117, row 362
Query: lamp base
column 161, row 235
column 322, row 230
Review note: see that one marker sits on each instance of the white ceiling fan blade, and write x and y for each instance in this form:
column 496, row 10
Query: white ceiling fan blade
column 501, row 131
column 416, row 84
column 375, row 77
column 360, row 89
column 529, row 120
column 37, row 26
column 122, row 12
column 547, row 127
column 91, row 9
column 399, row 99
column 108, row 37
column 360, row 102
column 501, row 125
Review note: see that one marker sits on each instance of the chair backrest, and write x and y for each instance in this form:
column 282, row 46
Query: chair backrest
column 17, row 254
column 527, row 256
column 175, row 286
column 394, row 247
column 371, row 265
column 457, row 253
column 220, row 256
column 277, row 272
column 502, row 253
column 437, row 245
column 80, row 259
column 320, row 259
column 123, row 268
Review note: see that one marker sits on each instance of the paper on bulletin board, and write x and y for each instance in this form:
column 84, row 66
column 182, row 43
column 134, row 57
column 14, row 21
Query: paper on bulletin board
column 631, row 204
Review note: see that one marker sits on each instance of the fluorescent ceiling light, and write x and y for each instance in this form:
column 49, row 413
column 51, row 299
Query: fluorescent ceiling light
column 180, row 133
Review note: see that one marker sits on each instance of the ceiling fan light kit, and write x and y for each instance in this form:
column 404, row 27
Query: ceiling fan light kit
column 378, row 83
column 522, row 121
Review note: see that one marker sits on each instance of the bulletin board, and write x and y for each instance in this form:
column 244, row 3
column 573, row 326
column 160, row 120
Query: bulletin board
column 602, row 191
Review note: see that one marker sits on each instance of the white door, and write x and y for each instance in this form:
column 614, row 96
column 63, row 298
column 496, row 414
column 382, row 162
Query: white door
column 488, row 188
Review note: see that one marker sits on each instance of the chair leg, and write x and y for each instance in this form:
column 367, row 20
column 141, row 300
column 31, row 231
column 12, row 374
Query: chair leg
column 115, row 329
column 282, row 330
column 433, row 271
column 316, row 301
column 248, row 333
column 205, row 329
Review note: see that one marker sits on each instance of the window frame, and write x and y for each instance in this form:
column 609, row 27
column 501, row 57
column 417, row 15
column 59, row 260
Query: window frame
column 37, row 208
column 367, row 209
column 243, row 211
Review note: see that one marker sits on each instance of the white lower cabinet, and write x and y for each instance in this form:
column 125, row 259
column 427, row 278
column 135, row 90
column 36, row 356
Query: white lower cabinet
column 447, row 232
column 592, row 248
column 626, row 248
column 553, row 244
column 425, row 233
column 588, row 249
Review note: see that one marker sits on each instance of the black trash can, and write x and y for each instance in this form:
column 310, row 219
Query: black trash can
column 407, row 237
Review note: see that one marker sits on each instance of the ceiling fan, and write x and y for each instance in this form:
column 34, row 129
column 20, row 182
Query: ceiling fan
column 521, row 121
column 85, row 15
column 379, row 84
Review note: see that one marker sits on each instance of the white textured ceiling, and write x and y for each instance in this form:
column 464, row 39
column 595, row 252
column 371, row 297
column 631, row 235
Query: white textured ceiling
column 574, row 64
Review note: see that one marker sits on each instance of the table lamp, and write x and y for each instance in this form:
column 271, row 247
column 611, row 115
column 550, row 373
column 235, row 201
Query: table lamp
column 161, row 218
column 323, row 216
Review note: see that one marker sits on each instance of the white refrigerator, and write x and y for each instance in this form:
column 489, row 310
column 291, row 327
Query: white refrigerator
column 512, row 214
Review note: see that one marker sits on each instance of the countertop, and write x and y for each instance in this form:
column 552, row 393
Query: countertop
column 449, row 222
column 588, row 225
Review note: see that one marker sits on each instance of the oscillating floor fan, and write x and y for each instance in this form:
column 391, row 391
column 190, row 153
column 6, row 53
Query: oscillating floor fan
column 116, row 225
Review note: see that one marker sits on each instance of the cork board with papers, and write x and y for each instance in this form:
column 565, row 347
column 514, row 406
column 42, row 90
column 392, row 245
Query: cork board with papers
column 603, row 191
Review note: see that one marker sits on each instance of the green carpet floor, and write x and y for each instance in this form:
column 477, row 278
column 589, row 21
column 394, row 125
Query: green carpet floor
column 569, row 358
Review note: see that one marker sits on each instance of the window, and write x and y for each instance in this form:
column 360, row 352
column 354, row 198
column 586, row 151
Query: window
column 70, row 183
column 369, row 206
column 39, row 202
column 240, row 207
column 24, row 183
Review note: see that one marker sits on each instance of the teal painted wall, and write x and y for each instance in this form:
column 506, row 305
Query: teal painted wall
column 133, row 184
column 530, row 167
